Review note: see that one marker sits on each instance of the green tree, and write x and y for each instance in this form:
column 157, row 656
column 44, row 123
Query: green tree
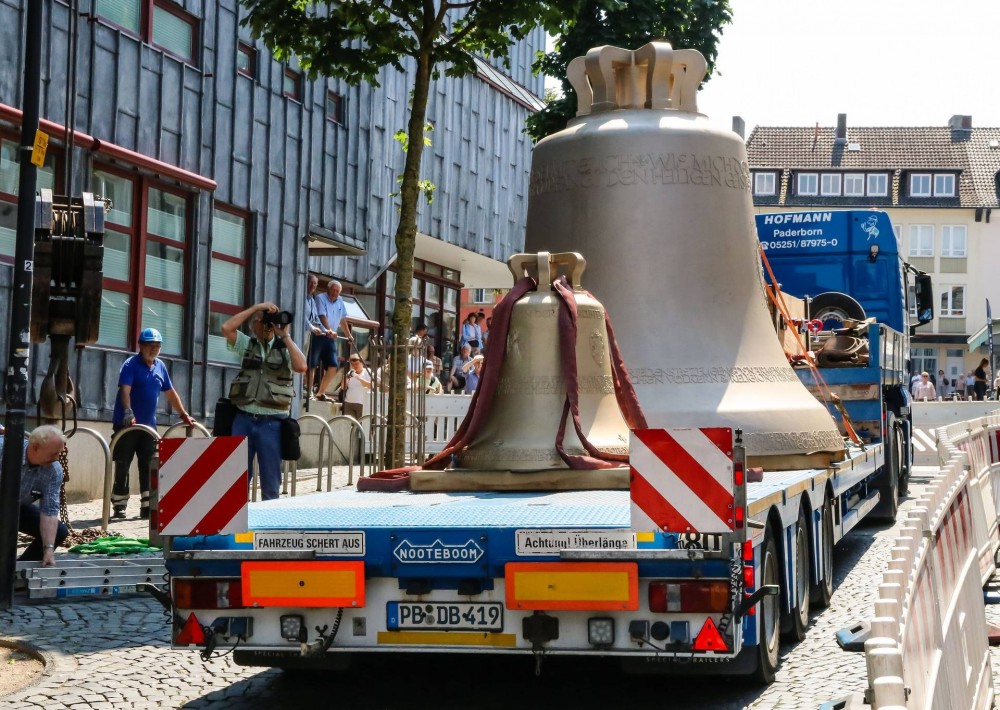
column 686, row 24
column 353, row 40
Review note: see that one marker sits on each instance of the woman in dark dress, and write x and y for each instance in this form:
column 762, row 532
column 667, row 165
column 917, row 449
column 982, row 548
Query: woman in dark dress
column 981, row 381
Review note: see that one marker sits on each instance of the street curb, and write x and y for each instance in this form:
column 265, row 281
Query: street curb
column 57, row 664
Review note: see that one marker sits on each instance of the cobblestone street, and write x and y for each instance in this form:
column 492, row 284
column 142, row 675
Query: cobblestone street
column 114, row 653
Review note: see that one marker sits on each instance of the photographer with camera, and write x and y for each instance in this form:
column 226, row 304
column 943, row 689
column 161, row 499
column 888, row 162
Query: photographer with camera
column 332, row 313
column 262, row 392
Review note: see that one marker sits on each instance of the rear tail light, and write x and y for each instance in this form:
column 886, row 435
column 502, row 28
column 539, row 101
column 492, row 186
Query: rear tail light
column 738, row 473
column 709, row 597
column 208, row 594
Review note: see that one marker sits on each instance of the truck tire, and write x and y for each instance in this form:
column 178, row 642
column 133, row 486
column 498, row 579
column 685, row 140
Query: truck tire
column 834, row 305
column 769, row 613
column 888, row 481
column 822, row 592
column 796, row 621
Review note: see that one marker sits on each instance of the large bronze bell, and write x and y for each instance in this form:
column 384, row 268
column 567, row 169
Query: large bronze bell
column 521, row 430
column 659, row 202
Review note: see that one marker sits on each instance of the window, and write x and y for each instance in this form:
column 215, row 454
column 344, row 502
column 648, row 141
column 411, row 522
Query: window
column 953, row 240
column 924, row 359
column 830, row 184
column 10, row 175
column 292, row 84
column 145, row 261
column 335, row 107
column 763, row 184
column 953, row 301
column 808, row 183
column 920, row 185
column 854, row 185
column 173, row 31
column 944, row 185
column 921, row 240
column 246, row 60
column 162, row 23
column 480, row 295
column 227, row 278
column 878, row 185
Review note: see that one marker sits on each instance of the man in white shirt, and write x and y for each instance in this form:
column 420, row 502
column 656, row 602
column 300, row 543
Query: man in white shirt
column 924, row 390
column 332, row 313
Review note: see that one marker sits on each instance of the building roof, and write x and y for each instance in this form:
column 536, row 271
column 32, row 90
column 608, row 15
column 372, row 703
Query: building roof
column 966, row 151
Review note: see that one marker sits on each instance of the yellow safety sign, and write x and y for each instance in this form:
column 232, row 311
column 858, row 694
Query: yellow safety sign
column 38, row 151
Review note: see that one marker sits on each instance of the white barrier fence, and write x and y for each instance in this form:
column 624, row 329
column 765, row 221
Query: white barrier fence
column 929, row 647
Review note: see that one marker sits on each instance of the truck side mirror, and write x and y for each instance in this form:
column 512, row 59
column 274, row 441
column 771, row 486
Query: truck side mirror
column 924, row 291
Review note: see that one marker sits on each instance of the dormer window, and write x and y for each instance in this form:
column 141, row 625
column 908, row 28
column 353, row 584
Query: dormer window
column 944, row 185
column 763, row 183
column 921, row 185
column 808, row 184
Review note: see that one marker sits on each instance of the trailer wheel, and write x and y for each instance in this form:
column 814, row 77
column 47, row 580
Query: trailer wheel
column 797, row 621
column 769, row 613
column 888, row 487
column 822, row 592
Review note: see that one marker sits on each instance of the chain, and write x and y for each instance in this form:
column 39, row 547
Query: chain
column 63, row 508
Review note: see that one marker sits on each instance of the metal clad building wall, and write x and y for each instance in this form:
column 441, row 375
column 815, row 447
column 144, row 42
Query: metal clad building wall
column 281, row 161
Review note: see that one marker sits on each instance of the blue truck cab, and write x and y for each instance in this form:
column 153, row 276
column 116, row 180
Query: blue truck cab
column 847, row 268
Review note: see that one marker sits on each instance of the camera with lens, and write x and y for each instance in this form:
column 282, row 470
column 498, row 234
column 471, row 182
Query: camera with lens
column 278, row 318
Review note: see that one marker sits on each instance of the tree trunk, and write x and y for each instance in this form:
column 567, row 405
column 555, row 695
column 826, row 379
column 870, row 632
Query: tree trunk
column 406, row 239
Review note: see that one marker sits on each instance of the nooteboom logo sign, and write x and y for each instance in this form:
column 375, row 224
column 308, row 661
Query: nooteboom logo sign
column 437, row 551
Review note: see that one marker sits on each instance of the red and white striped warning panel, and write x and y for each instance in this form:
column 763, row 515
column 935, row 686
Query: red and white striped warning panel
column 682, row 480
column 203, row 486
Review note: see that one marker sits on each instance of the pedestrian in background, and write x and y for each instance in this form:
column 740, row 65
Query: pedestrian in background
column 925, row 391
column 980, row 380
column 332, row 315
column 438, row 365
column 472, row 335
column 970, row 385
column 262, row 391
column 430, row 383
column 357, row 383
column 317, row 336
column 456, row 377
column 41, row 473
column 473, row 371
column 141, row 379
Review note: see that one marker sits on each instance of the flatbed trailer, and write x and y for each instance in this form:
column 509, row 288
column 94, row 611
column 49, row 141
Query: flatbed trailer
column 319, row 578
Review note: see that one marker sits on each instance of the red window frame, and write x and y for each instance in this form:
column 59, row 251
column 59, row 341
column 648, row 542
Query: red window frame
column 179, row 13
column 145, row 33
column 337, row 115
column 139, row 236
column 296, row 77
column 251, row 54
column 219, row 306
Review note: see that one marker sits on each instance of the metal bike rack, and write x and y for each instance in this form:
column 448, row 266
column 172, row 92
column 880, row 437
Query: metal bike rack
column 355, row 425
column 376, row 423
column 326, row 431
column 108, row 471
column 116, row 437
column 190, row 429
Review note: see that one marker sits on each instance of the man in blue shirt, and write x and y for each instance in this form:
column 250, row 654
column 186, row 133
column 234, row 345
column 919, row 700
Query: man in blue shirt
column 140, row 381
column 332, row 313
column 41, row 476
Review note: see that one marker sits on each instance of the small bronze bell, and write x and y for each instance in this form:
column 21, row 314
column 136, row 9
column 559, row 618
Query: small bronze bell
column 521, row 430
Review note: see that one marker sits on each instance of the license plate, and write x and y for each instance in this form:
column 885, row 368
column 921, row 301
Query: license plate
column 442, row 616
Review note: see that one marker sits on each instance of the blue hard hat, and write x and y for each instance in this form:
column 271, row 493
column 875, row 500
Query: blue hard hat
column 150, row 335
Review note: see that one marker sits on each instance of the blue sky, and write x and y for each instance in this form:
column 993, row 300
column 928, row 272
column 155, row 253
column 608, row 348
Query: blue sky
column 882, row 62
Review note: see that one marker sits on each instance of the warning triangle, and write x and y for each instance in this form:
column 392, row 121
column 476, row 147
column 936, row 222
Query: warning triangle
column 191, row 633
column 709, row 638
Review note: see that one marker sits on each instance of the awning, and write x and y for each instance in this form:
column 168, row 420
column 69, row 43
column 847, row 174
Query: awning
column 978, row 340
column 325, row 242
column 477, row 271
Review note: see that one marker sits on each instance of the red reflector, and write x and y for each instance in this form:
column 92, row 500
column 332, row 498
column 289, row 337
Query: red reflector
column 748, row 551
column 753, row 609
column 191, row 633
column 739, row 517
column 738, row 474
column 709, row 638
column 657, row 597
column 748, row 576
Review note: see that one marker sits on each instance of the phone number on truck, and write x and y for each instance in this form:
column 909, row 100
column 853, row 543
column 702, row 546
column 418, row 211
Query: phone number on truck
column 798, row 243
